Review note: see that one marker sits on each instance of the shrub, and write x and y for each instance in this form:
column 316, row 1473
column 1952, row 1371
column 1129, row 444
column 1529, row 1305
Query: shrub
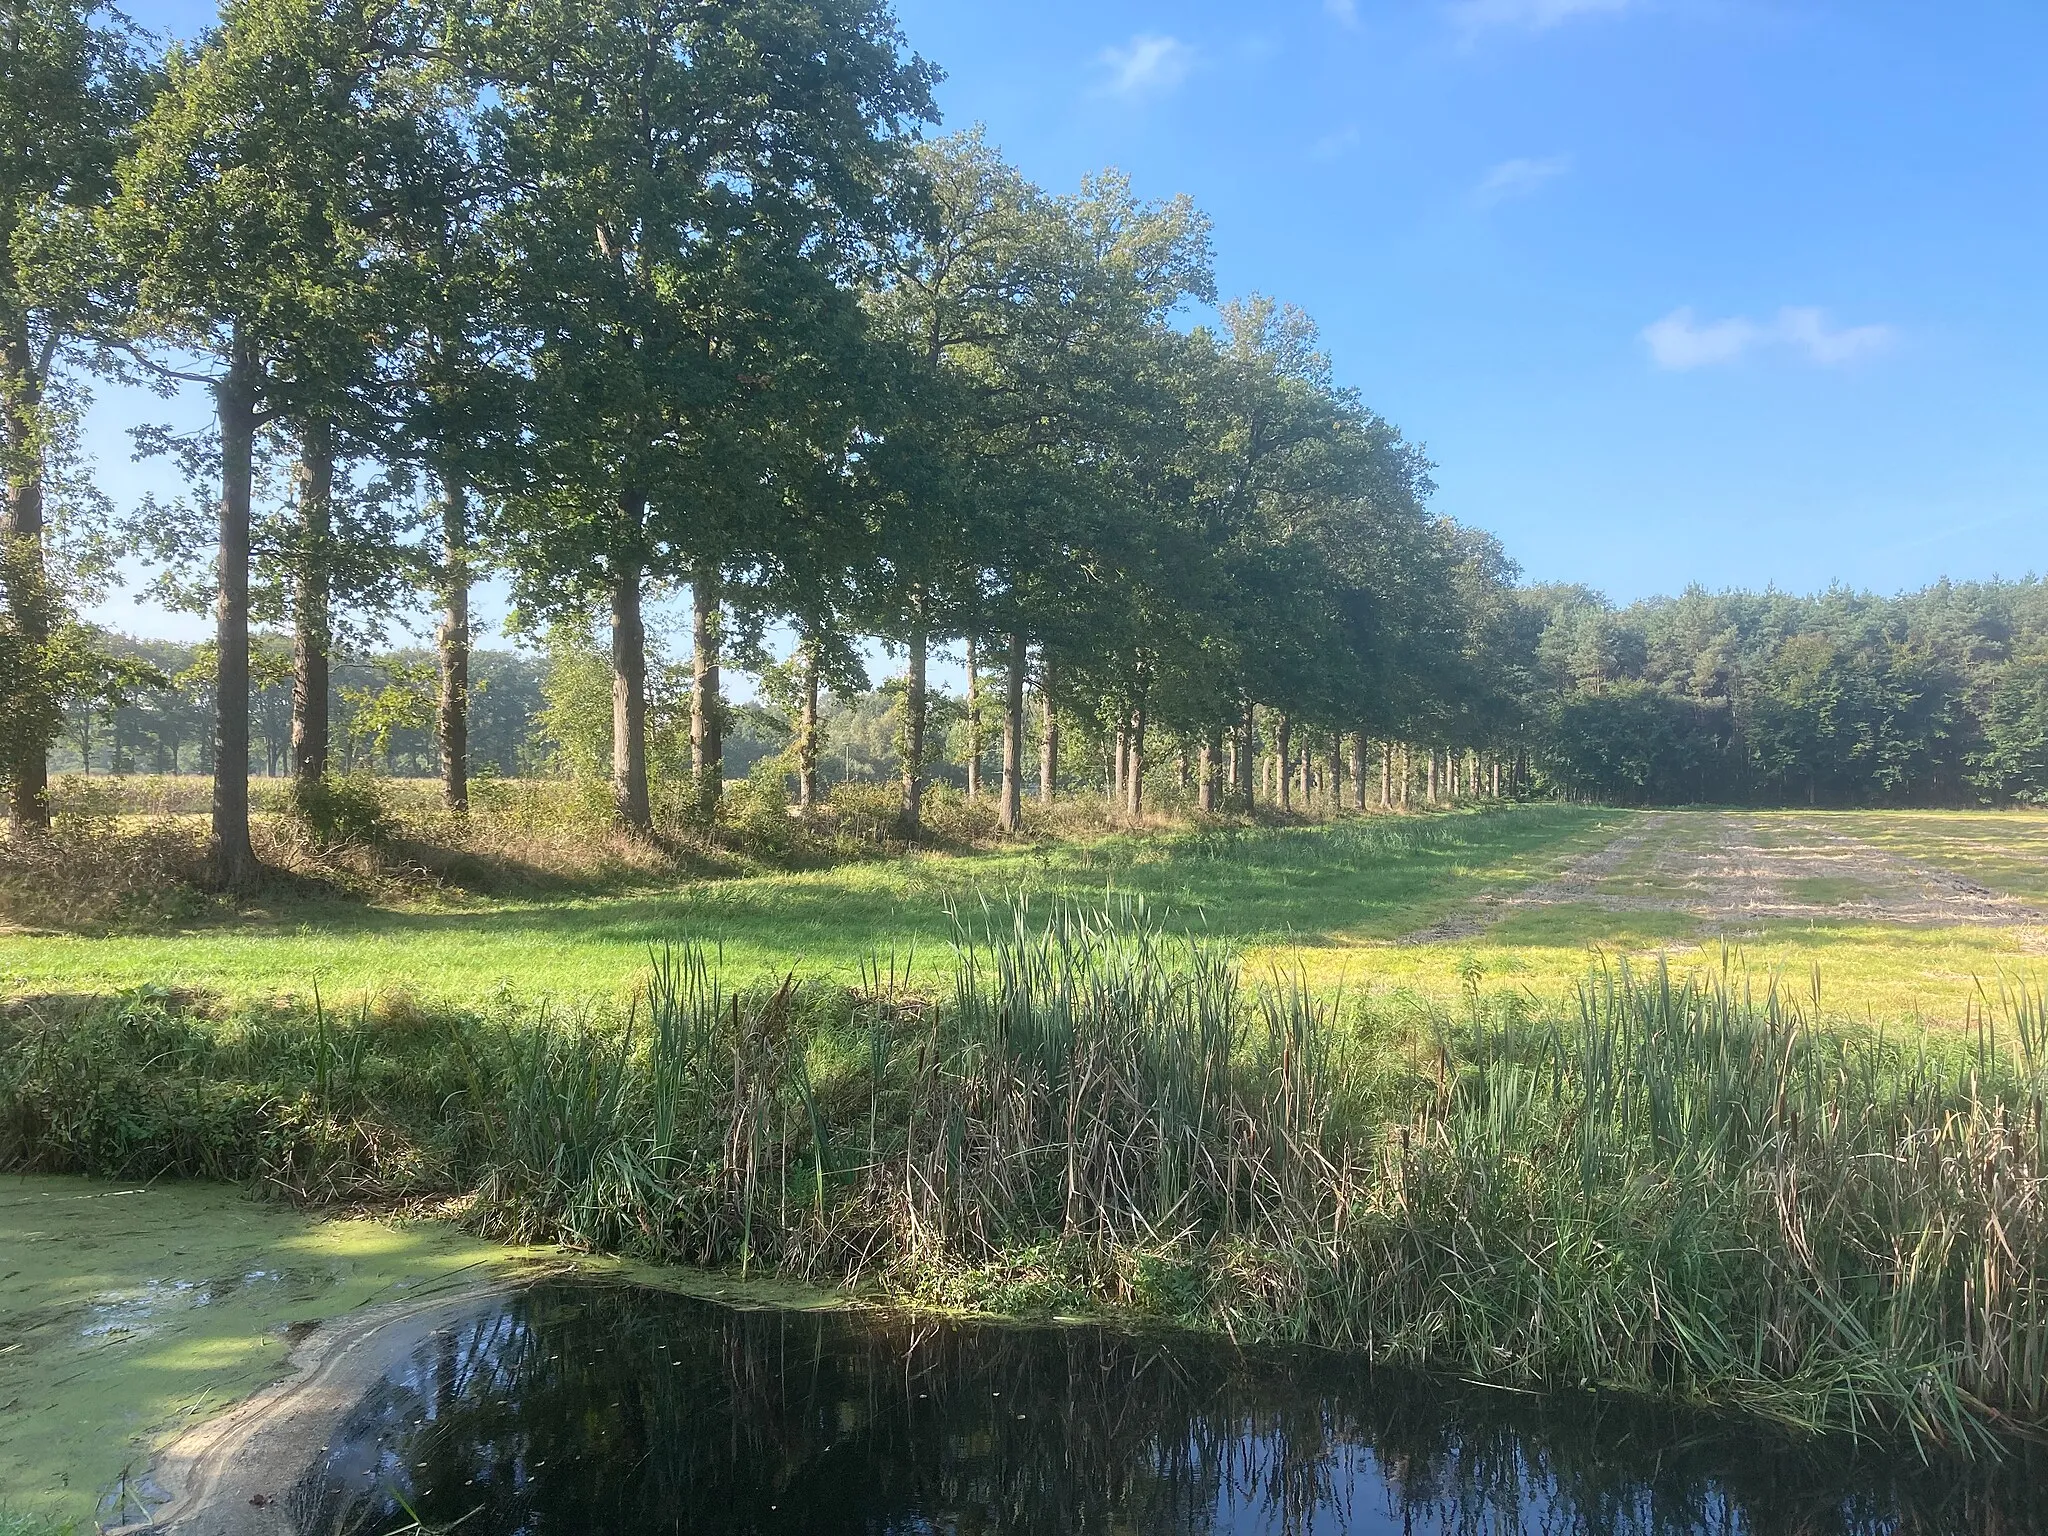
column 757, row 807
column 864, row 814
column 951, row 817
column 339, row 812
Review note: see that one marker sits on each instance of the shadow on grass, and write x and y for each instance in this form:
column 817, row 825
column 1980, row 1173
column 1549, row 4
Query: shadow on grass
column 1264, row 884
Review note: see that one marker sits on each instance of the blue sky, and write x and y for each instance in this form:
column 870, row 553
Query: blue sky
column 1742, row 292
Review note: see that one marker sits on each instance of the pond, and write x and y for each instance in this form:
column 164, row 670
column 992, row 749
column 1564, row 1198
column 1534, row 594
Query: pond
column 572, row 1407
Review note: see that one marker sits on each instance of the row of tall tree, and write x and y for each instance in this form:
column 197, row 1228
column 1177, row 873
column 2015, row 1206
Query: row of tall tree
column 620, row 300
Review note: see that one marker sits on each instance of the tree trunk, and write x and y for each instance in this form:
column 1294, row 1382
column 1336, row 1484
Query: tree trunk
column 1336, row 795
column 1358, row 770
column 973, row 720
column 1247, row 747
column 1012, row 817
column 453, row 641
column 1407, row 772
column 312, row 596
column 1283, row 743
column 1119, row 753
column 1432, row 776
column 233, row 856
column 26, row 739
column 1208, row 769
column 1386, row 775
column 807, row 735
column 1048, row 734
column 629, row 698
column 707, row 708
column 914, row 711
column 1134, row 767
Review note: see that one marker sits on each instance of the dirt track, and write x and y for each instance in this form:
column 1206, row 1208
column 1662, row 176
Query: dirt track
column 1733, row 870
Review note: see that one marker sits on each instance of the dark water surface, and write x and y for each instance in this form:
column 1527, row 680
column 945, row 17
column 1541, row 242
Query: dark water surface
column 573, row 1407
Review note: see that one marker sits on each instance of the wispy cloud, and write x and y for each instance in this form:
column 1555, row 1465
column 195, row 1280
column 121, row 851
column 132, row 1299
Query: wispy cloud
column 1681, row 341
column 1518, row 178
column 1343, row 12
column 1150, row 64
column 1807, row 330
column 1341, row 142
column 1474, row 16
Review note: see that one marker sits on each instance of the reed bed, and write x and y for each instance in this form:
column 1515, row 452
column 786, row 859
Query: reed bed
column 1678, row 1186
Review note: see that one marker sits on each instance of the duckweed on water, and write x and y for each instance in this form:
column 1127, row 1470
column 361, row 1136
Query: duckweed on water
column 128, row 1311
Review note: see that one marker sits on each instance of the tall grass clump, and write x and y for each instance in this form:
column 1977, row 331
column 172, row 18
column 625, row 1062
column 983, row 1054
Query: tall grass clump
column 1688, row 1188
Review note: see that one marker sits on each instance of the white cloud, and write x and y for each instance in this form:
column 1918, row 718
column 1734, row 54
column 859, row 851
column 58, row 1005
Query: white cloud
column 1807, row 330
column 1680, row 341
column 1343, row 12
column 1518, row 178
column 1530, row 15
column 1149, row 65
column 1331, row 145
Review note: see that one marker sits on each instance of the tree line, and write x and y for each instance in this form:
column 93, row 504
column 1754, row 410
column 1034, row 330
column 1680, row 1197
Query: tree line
column 1931, row 698
column 619, row 301
column 623, row 302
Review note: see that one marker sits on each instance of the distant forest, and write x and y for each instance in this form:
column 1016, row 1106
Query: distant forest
column 1934, row 698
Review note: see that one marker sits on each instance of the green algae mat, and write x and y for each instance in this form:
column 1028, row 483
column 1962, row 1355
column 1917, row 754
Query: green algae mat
column 129, row 1312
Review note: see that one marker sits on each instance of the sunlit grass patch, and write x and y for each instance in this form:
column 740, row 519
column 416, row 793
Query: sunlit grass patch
column 1582, row 926
column 1829, row 890
column 2006, row 851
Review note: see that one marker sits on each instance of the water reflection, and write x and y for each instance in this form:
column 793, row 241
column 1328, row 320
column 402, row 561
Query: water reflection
column 577, row 1408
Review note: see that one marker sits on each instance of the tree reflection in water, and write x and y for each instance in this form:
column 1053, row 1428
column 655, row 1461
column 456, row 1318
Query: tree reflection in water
column 572, row 1408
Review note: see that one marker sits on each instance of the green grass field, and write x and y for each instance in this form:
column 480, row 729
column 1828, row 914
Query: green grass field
column 1309, row 888
column 1519, row 898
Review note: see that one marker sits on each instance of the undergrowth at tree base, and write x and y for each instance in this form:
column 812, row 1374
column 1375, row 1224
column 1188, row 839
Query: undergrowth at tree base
column 131, row 853
column 1678, row 1188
